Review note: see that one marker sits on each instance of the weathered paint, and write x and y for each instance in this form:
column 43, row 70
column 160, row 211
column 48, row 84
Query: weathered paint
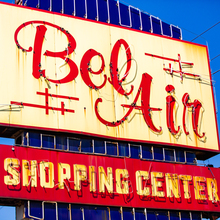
column 19, row 85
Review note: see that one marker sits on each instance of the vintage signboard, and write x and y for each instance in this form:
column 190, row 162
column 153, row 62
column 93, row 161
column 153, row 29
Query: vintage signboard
column 74, row 75
column 36, row 174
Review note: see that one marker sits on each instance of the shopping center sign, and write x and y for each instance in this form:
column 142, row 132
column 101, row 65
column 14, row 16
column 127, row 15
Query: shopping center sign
column 74, row 75
column 103, row 180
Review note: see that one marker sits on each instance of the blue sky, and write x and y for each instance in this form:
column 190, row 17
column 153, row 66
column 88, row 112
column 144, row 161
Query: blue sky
column 193, row 17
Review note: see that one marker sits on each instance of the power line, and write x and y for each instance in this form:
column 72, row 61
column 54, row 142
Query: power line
column 205, row 31
column 216, row 72
column 215, row 57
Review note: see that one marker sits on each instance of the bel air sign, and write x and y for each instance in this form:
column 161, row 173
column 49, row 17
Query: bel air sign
column 79, row 76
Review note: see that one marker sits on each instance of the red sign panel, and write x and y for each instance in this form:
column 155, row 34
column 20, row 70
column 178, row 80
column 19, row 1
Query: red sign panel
column 36, row 174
